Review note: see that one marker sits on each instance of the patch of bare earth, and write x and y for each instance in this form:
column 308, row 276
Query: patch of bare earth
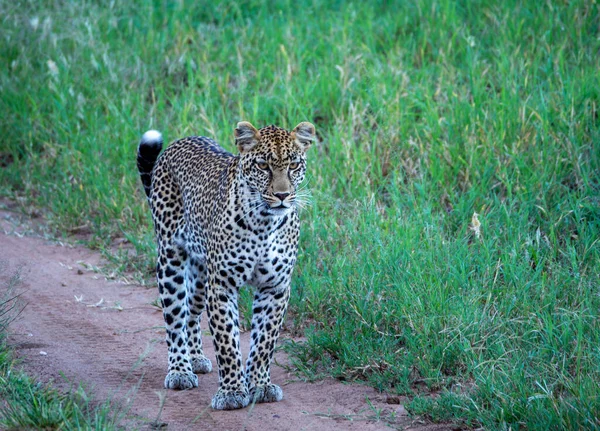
column 78, row 327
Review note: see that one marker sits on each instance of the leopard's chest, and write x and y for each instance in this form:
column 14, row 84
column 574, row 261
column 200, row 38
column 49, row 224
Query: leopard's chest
column 259, row 254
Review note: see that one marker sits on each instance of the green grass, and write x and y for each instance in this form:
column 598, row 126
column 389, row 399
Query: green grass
column 26, row 404
column 428, row 111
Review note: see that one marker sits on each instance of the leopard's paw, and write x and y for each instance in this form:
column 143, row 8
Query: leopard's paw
column 179, row 380
column 201, row 365
column 230, row 400
column 269, row 393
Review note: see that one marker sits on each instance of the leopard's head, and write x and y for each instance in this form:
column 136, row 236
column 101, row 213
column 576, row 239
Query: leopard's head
column 273, row 164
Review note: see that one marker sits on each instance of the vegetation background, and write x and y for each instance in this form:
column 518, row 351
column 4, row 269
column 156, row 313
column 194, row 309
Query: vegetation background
column 427, row 111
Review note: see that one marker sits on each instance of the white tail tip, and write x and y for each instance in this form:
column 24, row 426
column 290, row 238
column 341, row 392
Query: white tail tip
column 152, row 137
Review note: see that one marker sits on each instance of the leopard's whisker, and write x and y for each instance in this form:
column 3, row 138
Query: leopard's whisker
column 252, row 208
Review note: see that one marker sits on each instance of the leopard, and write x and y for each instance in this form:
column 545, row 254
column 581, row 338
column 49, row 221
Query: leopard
column 223, row 221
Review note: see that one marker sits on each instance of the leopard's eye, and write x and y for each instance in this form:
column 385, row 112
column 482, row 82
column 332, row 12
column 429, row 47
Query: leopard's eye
column 294, row 166
column 262, row 165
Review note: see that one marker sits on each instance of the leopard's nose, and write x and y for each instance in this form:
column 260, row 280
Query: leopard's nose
column 281, row 196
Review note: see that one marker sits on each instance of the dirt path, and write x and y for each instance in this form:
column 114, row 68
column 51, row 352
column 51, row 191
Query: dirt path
column 80, row 328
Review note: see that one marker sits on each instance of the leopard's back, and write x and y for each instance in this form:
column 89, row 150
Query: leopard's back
column 188, row 182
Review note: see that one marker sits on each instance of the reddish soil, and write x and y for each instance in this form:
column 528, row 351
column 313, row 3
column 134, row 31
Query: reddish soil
column 79, row 328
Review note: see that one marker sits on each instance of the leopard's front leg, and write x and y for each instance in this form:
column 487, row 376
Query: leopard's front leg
column 269, row 307
column 224, row 326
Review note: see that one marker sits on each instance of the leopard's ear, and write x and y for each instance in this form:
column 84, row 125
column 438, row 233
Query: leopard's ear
column 246, row 136
column 304, row 135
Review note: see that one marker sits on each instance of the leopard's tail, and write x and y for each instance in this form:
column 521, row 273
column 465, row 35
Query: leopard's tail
column 148, row 152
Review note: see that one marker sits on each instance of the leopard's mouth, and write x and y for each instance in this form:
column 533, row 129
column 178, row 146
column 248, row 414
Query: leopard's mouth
column 281, row 205
column 276, row 203
column 278, row 208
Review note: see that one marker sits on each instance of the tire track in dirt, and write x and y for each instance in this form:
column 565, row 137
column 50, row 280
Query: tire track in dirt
column 99, row 346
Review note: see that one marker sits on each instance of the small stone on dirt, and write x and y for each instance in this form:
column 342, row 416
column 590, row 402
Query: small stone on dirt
column 392, row 399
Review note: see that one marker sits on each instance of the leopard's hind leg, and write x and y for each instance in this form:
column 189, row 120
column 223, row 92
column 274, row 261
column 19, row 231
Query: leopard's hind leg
column 172, row 275
column 196, row 286
column 176, row 312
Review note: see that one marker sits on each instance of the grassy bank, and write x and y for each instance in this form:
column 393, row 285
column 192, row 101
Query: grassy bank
column 427, row 111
